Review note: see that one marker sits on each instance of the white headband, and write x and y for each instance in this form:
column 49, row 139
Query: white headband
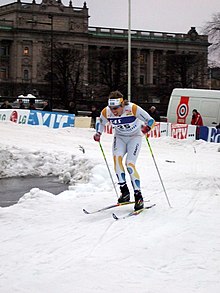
column 115, row 102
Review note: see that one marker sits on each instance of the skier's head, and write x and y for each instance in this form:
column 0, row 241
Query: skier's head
column 116, row 103
column 115, row 100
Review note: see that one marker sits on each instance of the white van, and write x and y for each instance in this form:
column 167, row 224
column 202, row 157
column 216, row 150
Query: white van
column 183, row 101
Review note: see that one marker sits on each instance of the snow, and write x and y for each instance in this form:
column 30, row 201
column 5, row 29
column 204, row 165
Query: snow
column 49, row 245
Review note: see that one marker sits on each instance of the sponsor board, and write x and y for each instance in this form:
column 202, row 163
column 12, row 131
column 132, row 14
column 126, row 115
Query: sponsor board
column 107, row 129
column 182, row 131
column 34, row 117
column 160, row 129
column 59, row 120
column 19, row 116
column 15, row 115
column 4, row 115
column 210, row 134
column 51, row 119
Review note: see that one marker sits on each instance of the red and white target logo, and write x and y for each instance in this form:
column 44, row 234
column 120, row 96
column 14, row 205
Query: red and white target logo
column 14, row 116
column 182, row 110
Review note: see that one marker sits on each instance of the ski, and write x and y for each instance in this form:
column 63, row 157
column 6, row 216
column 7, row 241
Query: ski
column 133, row 213
column 109, row 207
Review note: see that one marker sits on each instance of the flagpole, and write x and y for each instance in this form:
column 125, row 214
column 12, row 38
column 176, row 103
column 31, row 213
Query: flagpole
column 129, row 50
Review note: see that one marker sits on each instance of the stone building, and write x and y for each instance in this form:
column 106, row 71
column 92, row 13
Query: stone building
column 25, row 28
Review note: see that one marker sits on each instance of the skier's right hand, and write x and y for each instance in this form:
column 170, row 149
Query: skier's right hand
column 97, row 136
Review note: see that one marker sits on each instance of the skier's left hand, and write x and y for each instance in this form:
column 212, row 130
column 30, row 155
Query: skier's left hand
column 145, row 129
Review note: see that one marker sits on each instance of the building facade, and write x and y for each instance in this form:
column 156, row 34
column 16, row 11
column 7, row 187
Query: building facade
column 25, row 28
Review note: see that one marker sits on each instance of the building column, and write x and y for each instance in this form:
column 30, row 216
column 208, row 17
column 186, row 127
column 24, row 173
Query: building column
column 138, row 52
column 15, row 61
column 34, row 58
column 164, row 70
column 150, row 67
column 85, row 64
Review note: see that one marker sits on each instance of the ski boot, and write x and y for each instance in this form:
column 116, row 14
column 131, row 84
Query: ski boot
column 139, row 202
column 125, row 194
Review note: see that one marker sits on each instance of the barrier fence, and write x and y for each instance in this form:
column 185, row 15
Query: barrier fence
column 179, row 131
column 35, row 117
column 60, row 120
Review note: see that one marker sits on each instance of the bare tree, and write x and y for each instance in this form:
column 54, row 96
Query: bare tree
column 67, row 64
column 212, row 29
column 68, row 69
column 185, row 69
column 113, row 68
column 108, row 68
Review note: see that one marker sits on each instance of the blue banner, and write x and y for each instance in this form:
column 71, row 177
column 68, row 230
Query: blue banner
column 51, row 119
column 210, row 134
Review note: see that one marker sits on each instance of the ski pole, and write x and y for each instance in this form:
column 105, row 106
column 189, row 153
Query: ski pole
column 157, row 170
column 108, row 168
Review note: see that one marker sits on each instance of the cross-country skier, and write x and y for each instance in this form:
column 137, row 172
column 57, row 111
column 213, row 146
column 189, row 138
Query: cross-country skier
column 129, row 122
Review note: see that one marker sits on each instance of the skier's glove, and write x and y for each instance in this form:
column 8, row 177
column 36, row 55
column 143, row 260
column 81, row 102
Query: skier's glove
column 97, row 136
column 145, row 129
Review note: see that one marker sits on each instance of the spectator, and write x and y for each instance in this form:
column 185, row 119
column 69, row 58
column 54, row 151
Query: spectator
column 218, row 126
column 21, row 104
column 72, row 108
column 196, row 118
column 32, row 106
column 46, row 106
column 6, row 105
column 154, row 113
column 94, row 114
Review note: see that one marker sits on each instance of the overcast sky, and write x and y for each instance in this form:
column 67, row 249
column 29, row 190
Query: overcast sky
column 156, row 15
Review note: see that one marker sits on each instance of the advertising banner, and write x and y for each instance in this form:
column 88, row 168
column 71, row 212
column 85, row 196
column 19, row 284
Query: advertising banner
column 51, row 119
column 5, row 115
column 18, row 116
column 160, row 129
column 34, row 117
column 108, row 127
column 210, row 134
column 59, row 120
column 182, row 131
column 182, row 110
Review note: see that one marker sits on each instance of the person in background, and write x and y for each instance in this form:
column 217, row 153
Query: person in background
column 21, row 104
column 32, row 106
column 94, row 114
column 129, row 121
column 154, row 113
column 218, row 126
column 46, row 106
column 72, row 108
column 196, row 118
column 6, row 105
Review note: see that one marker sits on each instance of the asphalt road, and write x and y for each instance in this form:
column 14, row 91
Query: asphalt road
column 11, row 189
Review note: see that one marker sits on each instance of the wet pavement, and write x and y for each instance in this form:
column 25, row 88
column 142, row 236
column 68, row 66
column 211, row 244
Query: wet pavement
column 11, row 189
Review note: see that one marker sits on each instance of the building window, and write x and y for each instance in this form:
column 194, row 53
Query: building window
column 142, row 59
column 142, row 79
column 26, row 74
column 4, row 51
column 3, row 73
column 26, row 51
